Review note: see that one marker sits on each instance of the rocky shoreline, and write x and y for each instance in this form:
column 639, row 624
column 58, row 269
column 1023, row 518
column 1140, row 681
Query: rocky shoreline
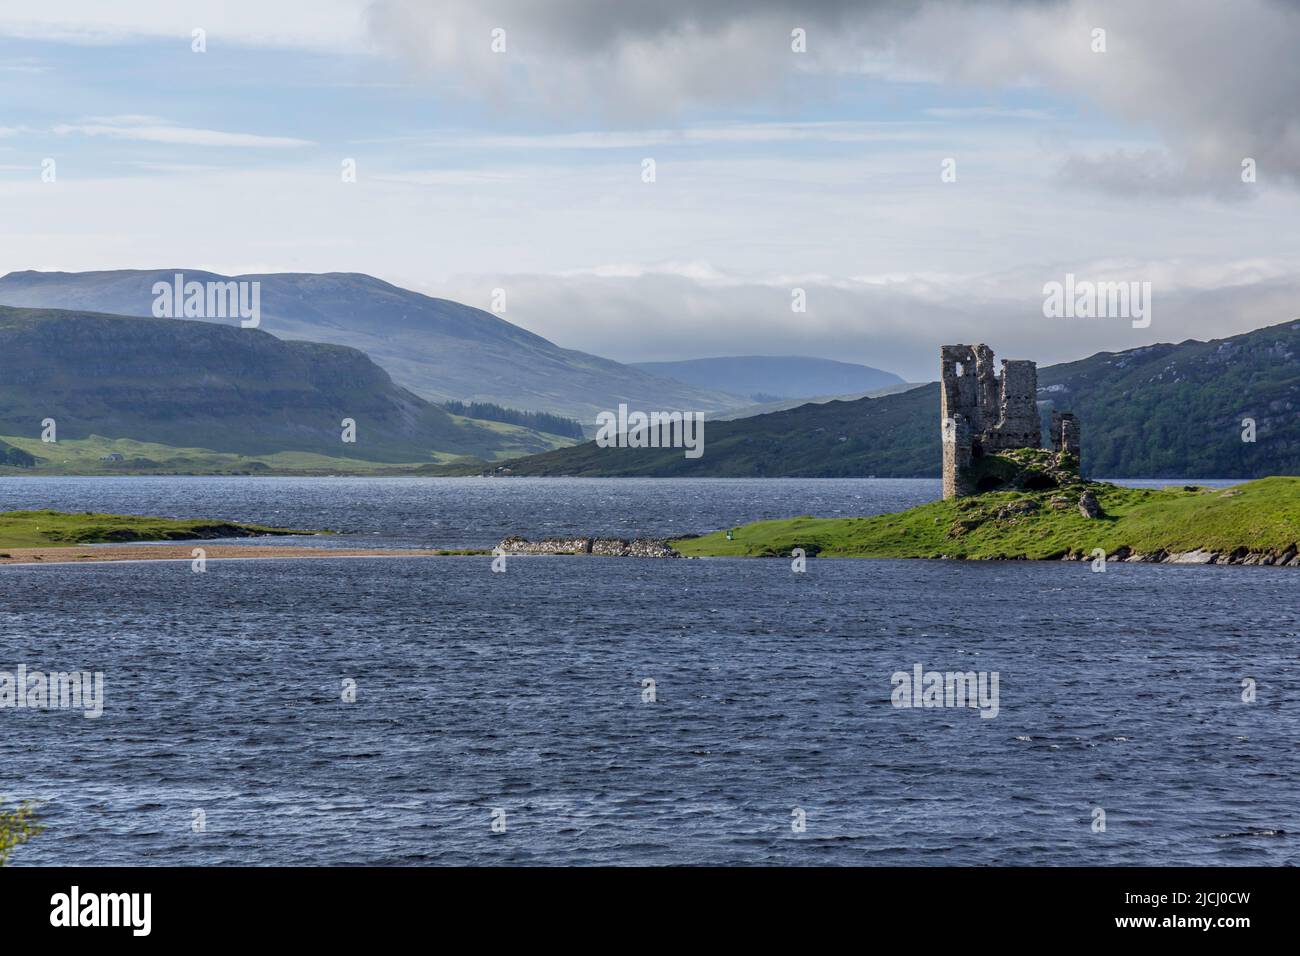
column 1285, row 558
column 655, row 548
column 600, row 547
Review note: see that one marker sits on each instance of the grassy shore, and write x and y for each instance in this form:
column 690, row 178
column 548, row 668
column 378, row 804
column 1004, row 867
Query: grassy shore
column 85, row 456
column 35, row 529
column 1258, row 517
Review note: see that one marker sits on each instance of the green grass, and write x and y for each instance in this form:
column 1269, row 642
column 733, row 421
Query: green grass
column 520, row 438
column 1261, row 515
column 81, row 456
column 43, row 529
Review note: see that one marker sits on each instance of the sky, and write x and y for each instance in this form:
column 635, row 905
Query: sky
column 920, row 170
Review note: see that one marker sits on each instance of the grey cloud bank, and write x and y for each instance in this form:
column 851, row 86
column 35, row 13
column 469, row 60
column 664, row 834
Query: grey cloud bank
column 1219, row 81
column 893, row 326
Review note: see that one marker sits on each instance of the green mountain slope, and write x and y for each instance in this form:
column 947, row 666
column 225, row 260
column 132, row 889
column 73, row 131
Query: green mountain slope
column 785, row 404
column 201, row 385
column 871, row 436
column 437, row 348
column 1162, row 411
column 1176, row 410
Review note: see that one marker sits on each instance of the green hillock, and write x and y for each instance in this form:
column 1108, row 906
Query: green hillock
column 1260, row 518
column 36, row 529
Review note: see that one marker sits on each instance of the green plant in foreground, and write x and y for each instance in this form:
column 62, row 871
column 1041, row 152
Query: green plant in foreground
column 17, row 826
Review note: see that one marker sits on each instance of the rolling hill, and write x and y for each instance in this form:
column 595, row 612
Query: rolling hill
column 761, row 378
column 785, row 404
column 199, row 385
column 881, row 437
column 437, row 348
column 1162, row 411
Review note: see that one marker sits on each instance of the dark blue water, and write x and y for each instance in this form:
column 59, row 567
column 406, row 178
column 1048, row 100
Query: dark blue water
column 471, row 512
column 522, row 692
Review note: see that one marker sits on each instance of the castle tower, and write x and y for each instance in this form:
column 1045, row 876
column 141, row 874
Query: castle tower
column 983, row 412
column 960, row 407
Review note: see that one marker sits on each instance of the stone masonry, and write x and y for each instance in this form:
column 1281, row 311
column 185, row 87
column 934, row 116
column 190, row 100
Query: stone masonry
column 1065, row 434
column 983, row 412
column 602, row 547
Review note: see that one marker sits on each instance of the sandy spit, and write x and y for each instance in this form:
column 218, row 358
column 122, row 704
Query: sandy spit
column 183, row 552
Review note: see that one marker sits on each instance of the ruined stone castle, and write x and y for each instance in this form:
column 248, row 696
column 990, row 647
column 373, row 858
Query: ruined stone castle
column 986, row 413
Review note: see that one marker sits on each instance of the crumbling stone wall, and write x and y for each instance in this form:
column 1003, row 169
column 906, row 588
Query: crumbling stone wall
column 982, row 411
column 1065, row 434
column 1017, row 424
column 603, row 547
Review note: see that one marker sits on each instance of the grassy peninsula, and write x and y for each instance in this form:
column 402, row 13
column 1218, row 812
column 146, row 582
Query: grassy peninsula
column 35, row 529
column 1253, row 523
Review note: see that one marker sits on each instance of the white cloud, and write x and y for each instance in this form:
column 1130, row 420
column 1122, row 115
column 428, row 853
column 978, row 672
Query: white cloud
column 589, row 56
column 662, row 315
column 986, row 112
column 595, row 260
column 151, row 129
column 768, row 133
column 23, row 64
column 329, row 25
column 1219, row 82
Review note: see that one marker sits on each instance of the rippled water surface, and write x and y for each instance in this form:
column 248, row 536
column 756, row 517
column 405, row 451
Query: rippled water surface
column 522, row 692
column 471, row 512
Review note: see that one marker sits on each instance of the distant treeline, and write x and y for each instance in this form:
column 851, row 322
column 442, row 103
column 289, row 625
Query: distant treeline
column 539, row 421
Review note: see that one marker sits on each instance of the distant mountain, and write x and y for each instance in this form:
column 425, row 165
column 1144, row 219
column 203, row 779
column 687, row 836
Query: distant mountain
column 748, row 411
column 437, row 348
column 1162, row 411
column 203, row 385
column 760, row 378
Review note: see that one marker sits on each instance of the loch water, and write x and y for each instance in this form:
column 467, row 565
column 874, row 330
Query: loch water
column 524, row 699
